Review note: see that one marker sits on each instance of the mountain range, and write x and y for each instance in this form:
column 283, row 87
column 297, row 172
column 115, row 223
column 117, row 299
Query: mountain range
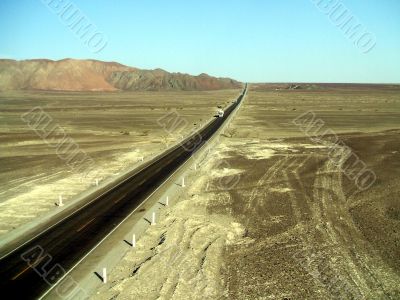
column 93, row 75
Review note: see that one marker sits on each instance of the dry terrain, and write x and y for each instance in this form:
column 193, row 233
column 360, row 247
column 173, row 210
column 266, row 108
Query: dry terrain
column 115, row 129
column 316, row 235
column 294, row 226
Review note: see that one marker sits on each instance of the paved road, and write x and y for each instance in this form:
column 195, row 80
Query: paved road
column 28, row 272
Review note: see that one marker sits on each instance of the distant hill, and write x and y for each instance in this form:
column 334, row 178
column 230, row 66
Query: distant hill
column 94, row 75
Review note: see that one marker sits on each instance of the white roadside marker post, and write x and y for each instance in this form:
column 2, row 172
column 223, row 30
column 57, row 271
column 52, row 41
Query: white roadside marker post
column 97, row 182
column 195, row 167
column 133, row 240
column 183, row 182
column 104, row 275
column 60, row 200
column 153, row 219
column 167, row 201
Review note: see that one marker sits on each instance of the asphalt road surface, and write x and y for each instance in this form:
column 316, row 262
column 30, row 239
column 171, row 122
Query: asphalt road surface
column 29, row 271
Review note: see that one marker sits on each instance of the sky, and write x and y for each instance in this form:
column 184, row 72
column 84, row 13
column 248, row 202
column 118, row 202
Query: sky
column 248, row 40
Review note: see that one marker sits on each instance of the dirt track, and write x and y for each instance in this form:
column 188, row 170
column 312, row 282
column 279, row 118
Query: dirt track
column 307, row 243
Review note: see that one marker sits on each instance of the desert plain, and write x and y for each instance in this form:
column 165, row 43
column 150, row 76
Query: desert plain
column 289, row 225
column 115, row 129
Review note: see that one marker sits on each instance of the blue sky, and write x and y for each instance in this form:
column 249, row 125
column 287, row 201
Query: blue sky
column 249, row 40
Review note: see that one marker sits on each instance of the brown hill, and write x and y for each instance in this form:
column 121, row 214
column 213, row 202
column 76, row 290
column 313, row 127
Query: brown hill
column 93, row 75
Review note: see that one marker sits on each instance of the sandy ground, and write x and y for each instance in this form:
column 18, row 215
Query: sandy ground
column 115, row 129
column 182, row 256
column 293, row 226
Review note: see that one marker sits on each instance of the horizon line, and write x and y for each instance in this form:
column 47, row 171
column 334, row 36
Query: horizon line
column 203, row 73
